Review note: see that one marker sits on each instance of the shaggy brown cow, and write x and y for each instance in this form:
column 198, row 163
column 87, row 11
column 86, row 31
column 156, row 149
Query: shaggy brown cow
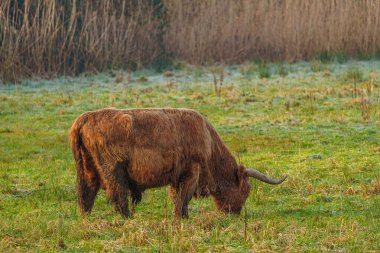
column 132, row 150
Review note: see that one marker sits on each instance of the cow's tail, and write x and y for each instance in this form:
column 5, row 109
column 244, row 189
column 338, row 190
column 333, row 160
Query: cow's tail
column 85, row 189
column 76, row 144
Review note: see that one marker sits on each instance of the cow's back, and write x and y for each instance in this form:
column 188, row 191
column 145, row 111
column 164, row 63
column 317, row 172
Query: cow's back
column 165, row 142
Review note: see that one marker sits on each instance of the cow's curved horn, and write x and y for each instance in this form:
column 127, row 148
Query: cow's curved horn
column 260, row 176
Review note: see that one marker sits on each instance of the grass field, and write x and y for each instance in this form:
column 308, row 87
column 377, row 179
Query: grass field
column 317, row 123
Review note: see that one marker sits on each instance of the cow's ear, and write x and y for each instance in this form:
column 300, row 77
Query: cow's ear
column 241, row 173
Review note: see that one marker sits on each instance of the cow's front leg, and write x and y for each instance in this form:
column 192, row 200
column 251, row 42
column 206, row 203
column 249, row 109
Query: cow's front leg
column 185, row 189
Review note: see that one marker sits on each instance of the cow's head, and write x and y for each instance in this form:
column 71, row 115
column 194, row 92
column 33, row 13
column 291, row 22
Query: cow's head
column 232, row 195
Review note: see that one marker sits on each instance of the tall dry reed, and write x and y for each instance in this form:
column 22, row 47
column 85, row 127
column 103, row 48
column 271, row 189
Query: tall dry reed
column 232, row 31
column 45, row 38
column 49, row 37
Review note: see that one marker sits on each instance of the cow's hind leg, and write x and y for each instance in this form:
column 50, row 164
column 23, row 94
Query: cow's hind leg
column 185, row 189
column 136, row 193
column 115, row 180
column 87, row 183
column 136, row 197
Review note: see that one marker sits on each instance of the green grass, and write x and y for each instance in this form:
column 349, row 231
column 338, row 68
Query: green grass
column 306, row 125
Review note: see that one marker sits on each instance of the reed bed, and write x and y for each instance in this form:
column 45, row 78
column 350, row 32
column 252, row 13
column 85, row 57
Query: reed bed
column 234, row 31
column 47, row 38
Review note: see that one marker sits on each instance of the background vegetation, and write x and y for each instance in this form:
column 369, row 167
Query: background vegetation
column 47, row 38
column 318, row 123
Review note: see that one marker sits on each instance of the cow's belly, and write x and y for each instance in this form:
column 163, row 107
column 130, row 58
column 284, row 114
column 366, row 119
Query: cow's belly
column 152, row 168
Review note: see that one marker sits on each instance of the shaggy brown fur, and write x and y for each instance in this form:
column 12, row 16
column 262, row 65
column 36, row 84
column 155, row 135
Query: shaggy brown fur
column 125, row 151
